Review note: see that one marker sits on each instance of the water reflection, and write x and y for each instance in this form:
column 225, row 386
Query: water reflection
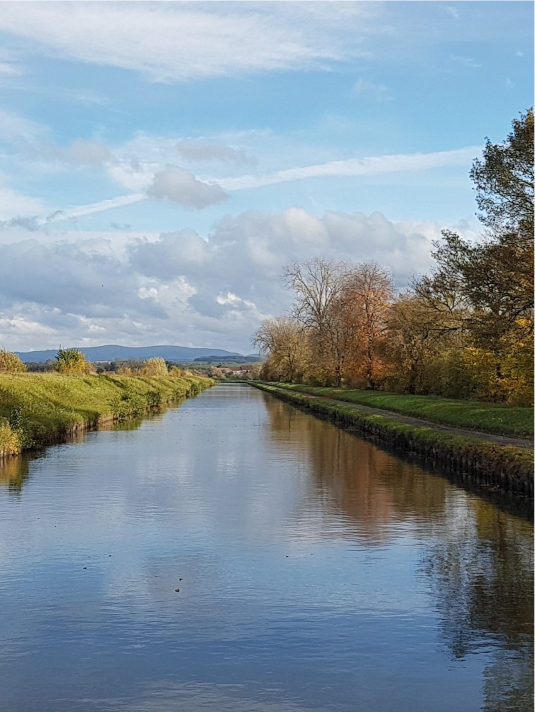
column 13, row 473
column 315, row 572
column 478, row 557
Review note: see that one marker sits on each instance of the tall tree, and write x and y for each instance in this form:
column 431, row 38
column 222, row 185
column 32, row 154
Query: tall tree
column 367, row 295
column 503, row 180
column 493, row 278
column 317, row 284
column 285, row 344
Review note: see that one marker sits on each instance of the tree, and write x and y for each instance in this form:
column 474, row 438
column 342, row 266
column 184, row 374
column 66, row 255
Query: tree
column 413, row 338
column 285, row 343
column 317, row 284
column 486, row 289
column 504, row 180
column 493, row 280
column 71, row 361
column 366, row 297
column 154, row 367
column 10, row 362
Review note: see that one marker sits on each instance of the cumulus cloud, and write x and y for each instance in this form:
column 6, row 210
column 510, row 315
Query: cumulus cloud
column 171, row 255
column 183, row 287
column 181, row 186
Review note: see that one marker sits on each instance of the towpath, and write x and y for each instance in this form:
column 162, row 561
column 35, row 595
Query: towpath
column 526, row 443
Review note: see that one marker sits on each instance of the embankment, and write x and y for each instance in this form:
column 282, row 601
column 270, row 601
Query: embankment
column 478, row 462
column 38, row 409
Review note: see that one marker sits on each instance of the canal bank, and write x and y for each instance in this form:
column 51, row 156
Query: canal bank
column 40, row 409
column 476, row 458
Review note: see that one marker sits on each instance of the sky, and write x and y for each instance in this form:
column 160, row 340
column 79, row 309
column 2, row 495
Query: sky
column 161, row 163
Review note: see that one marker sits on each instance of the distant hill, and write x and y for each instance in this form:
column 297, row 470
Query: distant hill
column 126, row 353
column 249, row 358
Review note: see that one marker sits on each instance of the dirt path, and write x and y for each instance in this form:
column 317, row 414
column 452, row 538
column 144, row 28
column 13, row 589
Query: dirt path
column 526, row 443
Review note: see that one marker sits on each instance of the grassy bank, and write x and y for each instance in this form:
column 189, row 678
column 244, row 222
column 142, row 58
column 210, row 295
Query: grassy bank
column 472, row 415
column 38, row 409
column 509, row 468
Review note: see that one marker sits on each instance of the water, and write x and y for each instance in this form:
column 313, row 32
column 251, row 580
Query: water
column 315, row 572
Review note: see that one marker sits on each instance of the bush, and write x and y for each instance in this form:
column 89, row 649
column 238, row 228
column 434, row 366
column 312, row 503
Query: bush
column 154, row 367
column 10, row 441
column 10, row 362
column 71, row 361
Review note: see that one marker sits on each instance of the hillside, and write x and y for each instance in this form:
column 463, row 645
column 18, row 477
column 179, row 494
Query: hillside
column 112, row 352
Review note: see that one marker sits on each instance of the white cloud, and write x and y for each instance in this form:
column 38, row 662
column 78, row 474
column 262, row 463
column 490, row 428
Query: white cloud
column 181, row 186
column 182, row 287
column 14, row 204
column 13, row 126
column 92, row 208
column 79, row 152
column 194, row 41
column 86, row 152
column 372, row 165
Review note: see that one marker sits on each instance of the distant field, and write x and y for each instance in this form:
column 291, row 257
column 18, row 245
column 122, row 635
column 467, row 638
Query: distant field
column 472, row 415
column 40, row 408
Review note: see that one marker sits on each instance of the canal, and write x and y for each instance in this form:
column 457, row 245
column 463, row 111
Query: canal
column 237, row 554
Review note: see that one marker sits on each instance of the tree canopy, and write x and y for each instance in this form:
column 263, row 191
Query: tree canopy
column 71, row 361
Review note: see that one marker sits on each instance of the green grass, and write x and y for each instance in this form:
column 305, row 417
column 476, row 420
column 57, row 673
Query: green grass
column 506, row 467
column 40, row 408
column 472, row 415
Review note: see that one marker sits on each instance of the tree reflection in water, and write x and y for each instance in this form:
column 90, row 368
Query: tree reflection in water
column 478, row 558
column 14, row 472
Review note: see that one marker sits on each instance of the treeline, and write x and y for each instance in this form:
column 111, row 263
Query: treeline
column 463, row 331
column 73, row 361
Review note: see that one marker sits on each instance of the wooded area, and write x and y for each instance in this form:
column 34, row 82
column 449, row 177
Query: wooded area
column 463, row 331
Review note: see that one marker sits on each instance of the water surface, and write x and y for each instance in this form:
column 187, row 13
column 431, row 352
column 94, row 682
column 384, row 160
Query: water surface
column 315, row 572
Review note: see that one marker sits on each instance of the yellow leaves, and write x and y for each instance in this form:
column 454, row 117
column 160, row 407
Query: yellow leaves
column 10, row 362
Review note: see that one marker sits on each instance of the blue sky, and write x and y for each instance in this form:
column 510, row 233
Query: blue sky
column 162, row 162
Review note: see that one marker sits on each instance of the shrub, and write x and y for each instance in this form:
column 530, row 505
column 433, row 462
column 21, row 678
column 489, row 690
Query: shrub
column 10, row 362
column 154, row 367
column 71, row 361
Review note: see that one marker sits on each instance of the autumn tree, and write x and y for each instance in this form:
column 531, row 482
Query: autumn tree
column 154, row 367
column 366, row 296
column 424, row 349
column 284, row 341
column 317, row 285
column 10, row 362
column 71, row 361
column 487, row 287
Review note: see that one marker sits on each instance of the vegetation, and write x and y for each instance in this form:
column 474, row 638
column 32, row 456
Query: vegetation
column 38, row 409
column 10, row 362
column 72, row 361
column 463, row 331
column 508, row 468
column 471, row 415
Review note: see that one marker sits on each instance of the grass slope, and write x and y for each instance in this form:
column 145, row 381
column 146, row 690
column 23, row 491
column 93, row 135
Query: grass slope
column 508, row 468
column 472, row 415
column 41, row 408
